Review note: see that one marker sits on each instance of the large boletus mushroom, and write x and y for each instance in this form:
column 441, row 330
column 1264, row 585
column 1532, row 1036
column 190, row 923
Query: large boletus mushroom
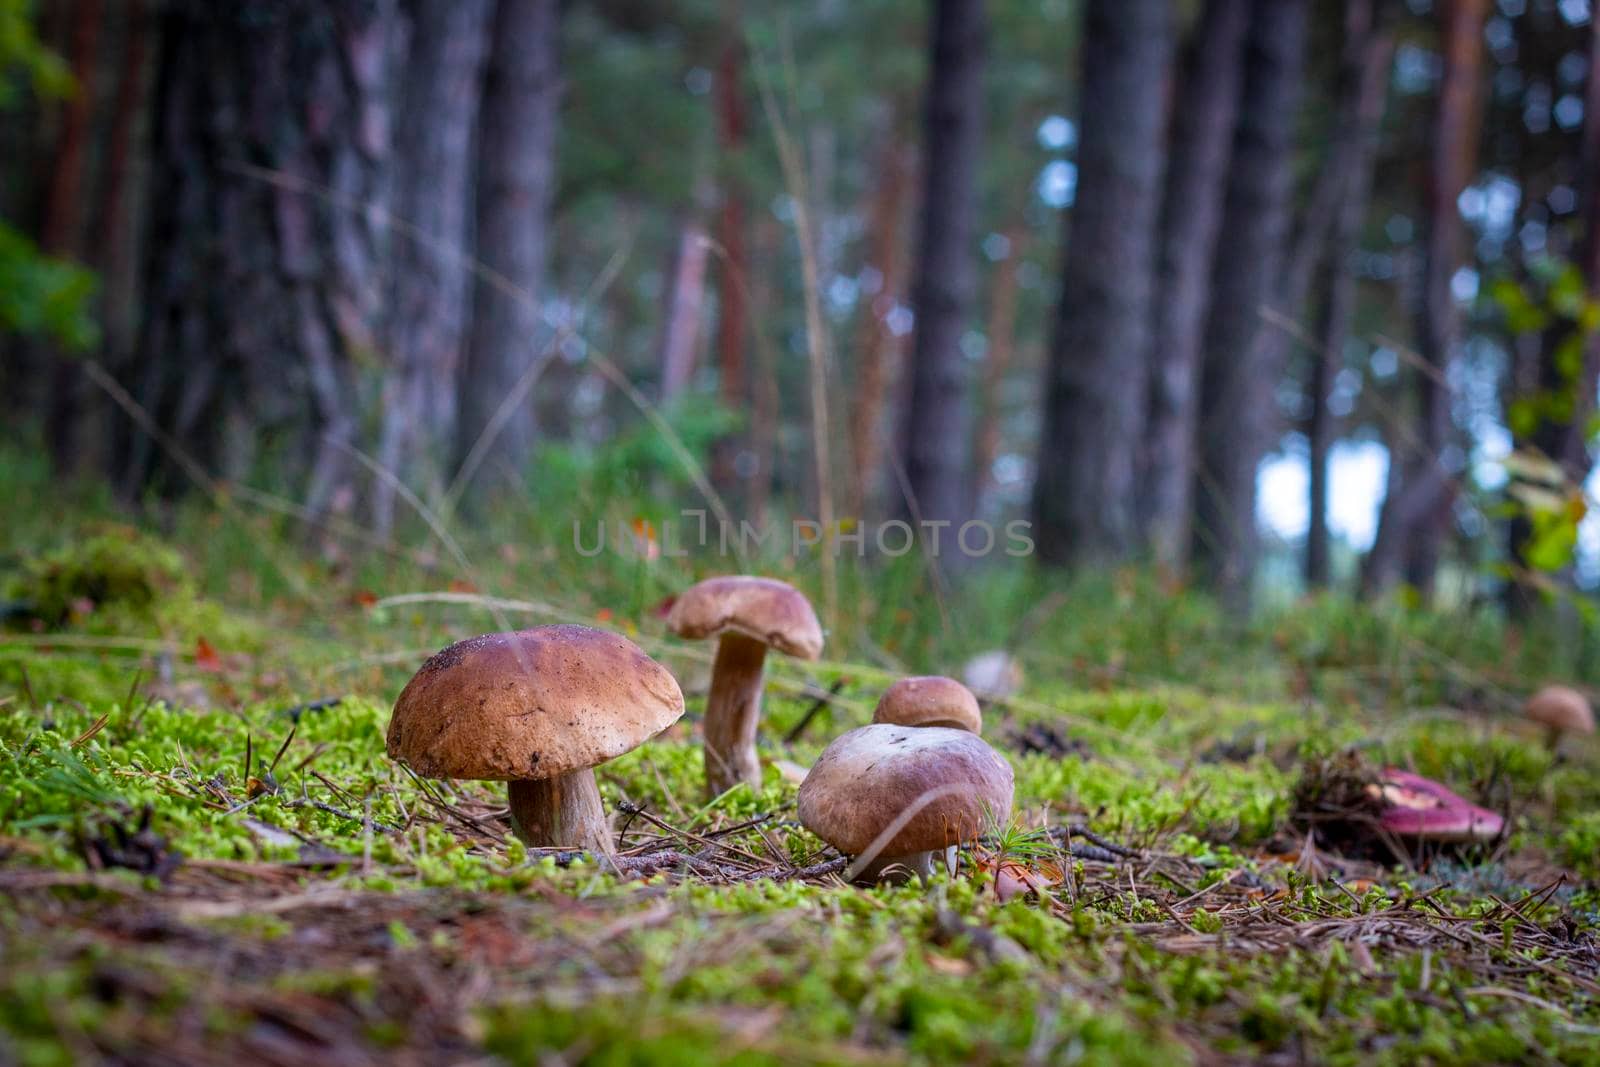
column 929, row 701
column 894, row 796
column 537, row 709
column 1560, row 710
column 748, row 616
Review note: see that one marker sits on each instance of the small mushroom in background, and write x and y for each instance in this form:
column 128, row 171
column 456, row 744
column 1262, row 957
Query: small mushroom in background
column 1421, row 809
column 992, row 675
column 537, row 709
column 748, row 615
column 1560, row 710
column 893, row 796
column 929, row 701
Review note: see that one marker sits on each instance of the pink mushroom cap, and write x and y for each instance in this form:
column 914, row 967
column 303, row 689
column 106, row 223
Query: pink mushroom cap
column 1422, row 809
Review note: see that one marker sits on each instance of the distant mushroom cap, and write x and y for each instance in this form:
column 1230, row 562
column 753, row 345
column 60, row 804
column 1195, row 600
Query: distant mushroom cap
column 764, row 609
column 531, row 704
column 929, row 701
column 1421, row 808
column 993, row 675
column 869, row 776
column 1562, row 708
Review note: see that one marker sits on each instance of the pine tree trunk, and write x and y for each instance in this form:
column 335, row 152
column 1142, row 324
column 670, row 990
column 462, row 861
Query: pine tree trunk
column 63, row 230
column 515, row 183
column 1368, row 51
column 260, row 290
column 733, row 273
column 1084, row 498
column 877, row 348
column 431, row 292
column 115, row 229
column 1191, row 216
column 1565, row 440
column 766, row 401
column 680, row 332
column 1238, row 422
column 997, row 361
column 1417, row 512
column 943, row 296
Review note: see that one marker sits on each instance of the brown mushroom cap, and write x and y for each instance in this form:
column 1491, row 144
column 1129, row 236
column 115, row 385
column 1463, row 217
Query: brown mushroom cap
column 930, row 701
column 531, row 704
column 867, row 777
column 1562, row 708
column 764, row 609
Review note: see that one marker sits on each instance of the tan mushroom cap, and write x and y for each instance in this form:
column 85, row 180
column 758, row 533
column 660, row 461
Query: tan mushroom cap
column 1562, row 708
column 764, row 609
column 866, row 778
column 930, row 701
column 530, row 705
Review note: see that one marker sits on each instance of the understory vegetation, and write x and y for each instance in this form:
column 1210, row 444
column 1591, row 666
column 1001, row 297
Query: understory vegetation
column 204, row 851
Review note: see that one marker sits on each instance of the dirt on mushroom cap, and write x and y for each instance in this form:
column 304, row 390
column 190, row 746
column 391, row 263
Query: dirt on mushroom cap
column 866, row 778
column 531, row 704
column 766, row 609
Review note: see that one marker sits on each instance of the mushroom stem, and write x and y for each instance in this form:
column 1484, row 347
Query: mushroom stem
column 561, row 812
column 897, row 870
column 733, row 709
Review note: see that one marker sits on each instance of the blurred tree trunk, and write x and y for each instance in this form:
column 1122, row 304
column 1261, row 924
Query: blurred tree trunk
column 1191, row 215
column 81, row 216
column 943, row 294
column 733, row 274
column 1364, row 82
column 1095, row 387
column 515, row 183
column 63, row 231
column 260, row 292
column 1567, row 364
column 1002, row 334
column 428, row 314
column 1419, row 502
column 680, row 331
column 115, row 230
column 765, row 403
column 877, row 347
column 1238, row 420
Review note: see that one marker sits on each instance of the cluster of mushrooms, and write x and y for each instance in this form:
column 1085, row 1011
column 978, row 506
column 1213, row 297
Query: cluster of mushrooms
column 539, row 709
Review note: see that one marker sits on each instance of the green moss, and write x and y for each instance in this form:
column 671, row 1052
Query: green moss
column 1178, row 732
column 118, row 570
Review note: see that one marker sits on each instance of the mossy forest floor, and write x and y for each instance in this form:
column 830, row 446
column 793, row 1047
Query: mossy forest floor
column 165, row 899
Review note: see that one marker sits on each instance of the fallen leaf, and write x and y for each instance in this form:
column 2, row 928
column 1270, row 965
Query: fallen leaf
column 1014, row 878
column 206, row 658
column 1007, row 885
